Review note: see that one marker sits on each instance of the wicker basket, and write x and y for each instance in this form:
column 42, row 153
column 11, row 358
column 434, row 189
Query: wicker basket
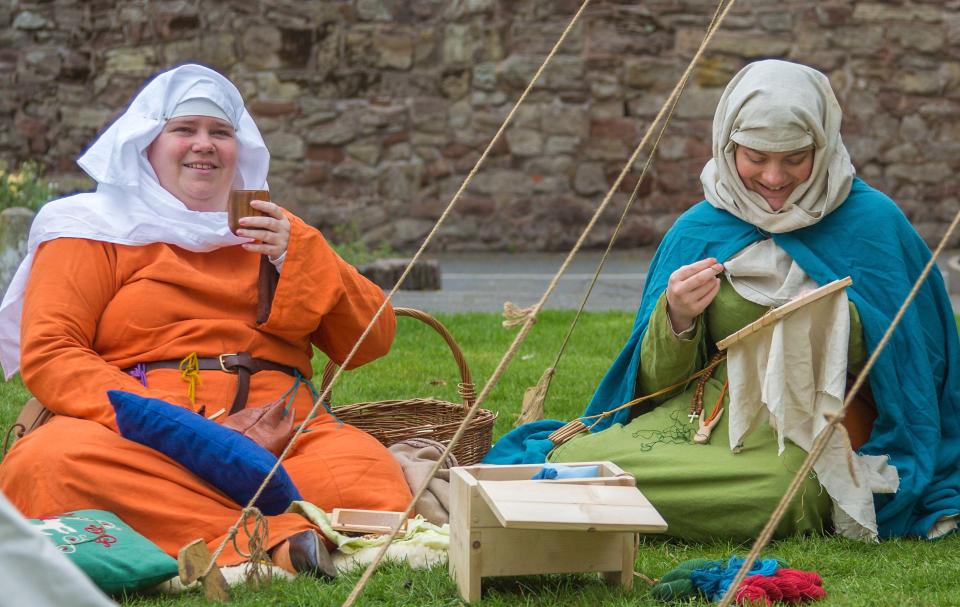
column 391, row 421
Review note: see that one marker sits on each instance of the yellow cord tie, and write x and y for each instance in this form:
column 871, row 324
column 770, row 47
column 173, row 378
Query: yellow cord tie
column 190, row 373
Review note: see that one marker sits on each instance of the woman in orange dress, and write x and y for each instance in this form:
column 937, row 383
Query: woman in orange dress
column 122, row 284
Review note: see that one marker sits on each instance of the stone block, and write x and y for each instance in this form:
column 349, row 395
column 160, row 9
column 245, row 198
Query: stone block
column 637, row 232
column 925, row 39
column 524, row 142
column 561, row 144
column 393, row 48
column 501, row 182
column 429, row 114
column 872, row 12
column 29, row 21
column 367, row 152
column 261, row 46
column 590, row 179
column 651, row 73
column 424, row 275
column 698, row 103
column 905, row 152
column 517, row 70
column 748, row 45
column 552, row 165
column 485, row 76
column 461, row 43
column 312, row 175
column 355, row 172
column 283, row 145
column 456, row 9
column 777, row 21
column 376, row 116
column 476, row 205
column 606, row 149
column 338, row 132
column 137, row 62
column 407, row 232
column 438, row 169
column 614, row 128
column 926, row 172
column 605, row 86
column 913, row 128
column 565, row 119
column 488, row 98
column 271, row 109
column 920, row 83
column 374, row 10
column 540, row 39
column 566, row 73
column 331, row 154
column 455, row 84
column 215, row 50
column 40, row 64
column 398, row 182
column 425, row 47
column 459, row 115
column 555, row 185
column 88, row 118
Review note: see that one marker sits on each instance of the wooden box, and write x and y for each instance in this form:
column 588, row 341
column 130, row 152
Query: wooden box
column 503, row 523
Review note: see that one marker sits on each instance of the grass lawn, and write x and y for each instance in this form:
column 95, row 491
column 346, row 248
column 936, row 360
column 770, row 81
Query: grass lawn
column 891, row 573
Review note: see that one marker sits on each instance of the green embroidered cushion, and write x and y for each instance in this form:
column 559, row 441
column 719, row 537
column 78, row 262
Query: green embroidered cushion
column 112, row 554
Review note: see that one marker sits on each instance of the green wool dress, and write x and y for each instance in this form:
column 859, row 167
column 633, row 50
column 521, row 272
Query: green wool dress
column 706, row 492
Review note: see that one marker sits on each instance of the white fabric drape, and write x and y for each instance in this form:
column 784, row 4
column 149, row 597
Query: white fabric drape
column 793, row 374
column 777, row 106
column 129, row 206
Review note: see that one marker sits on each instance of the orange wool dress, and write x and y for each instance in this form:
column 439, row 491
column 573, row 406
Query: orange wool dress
column 95, row 308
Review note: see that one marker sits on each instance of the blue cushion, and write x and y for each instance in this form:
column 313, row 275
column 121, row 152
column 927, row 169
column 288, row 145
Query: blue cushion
column 226, row 459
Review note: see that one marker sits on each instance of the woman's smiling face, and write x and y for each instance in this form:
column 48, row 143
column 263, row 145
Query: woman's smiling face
column 195, row 158
column 773, row 175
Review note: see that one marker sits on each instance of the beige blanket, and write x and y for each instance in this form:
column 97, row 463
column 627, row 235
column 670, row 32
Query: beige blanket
column 417, row 457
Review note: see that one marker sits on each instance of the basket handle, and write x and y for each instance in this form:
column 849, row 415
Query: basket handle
column 465, row 388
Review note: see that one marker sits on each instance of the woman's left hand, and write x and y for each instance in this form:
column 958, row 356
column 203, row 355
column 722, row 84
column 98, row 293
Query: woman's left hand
column 271, row 232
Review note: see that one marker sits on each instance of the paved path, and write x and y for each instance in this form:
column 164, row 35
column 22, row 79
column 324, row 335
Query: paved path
column 483, row 281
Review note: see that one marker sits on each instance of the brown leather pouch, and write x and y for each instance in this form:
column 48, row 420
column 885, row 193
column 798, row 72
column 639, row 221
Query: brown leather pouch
column 32, row 416
column 270, row 426
column 861, row 414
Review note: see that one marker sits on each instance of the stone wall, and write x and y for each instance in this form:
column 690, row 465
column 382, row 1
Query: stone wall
column 375, row 110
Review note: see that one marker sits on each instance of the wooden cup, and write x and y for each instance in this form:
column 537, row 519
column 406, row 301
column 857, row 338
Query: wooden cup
column 238, row 206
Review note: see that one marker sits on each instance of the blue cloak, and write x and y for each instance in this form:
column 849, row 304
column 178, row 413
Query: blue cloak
column 916, row 380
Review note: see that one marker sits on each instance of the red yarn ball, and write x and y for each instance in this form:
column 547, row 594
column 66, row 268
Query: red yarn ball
column 790, row 586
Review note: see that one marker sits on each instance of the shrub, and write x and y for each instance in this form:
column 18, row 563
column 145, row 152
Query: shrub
column 25, row 187
column 347, row 242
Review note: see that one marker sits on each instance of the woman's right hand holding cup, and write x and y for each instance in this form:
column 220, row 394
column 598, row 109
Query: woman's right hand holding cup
column 690, row 290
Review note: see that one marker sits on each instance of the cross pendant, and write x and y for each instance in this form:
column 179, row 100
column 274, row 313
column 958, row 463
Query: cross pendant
column 693, row 417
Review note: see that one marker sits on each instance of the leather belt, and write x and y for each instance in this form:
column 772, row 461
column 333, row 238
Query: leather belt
column 240, row 363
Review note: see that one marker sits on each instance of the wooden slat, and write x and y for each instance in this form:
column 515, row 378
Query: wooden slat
column 547, row 505
column 778, row 313
column 508, row 552
column 520, row 472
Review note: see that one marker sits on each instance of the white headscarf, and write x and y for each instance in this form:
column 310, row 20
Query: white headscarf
column 777, row 106
column 129, row 205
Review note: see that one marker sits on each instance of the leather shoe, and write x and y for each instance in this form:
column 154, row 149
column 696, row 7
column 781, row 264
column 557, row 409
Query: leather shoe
column 305, row 553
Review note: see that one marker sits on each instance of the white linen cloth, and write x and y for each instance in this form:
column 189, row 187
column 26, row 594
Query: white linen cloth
column 793, row 374
column 129, row 206
column 778, row 106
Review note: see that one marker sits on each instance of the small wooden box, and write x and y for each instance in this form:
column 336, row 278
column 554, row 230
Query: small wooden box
column 352, row 520
column 503, row 523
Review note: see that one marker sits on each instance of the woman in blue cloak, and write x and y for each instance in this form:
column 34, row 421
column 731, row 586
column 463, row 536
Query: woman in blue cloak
column 783, row 214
